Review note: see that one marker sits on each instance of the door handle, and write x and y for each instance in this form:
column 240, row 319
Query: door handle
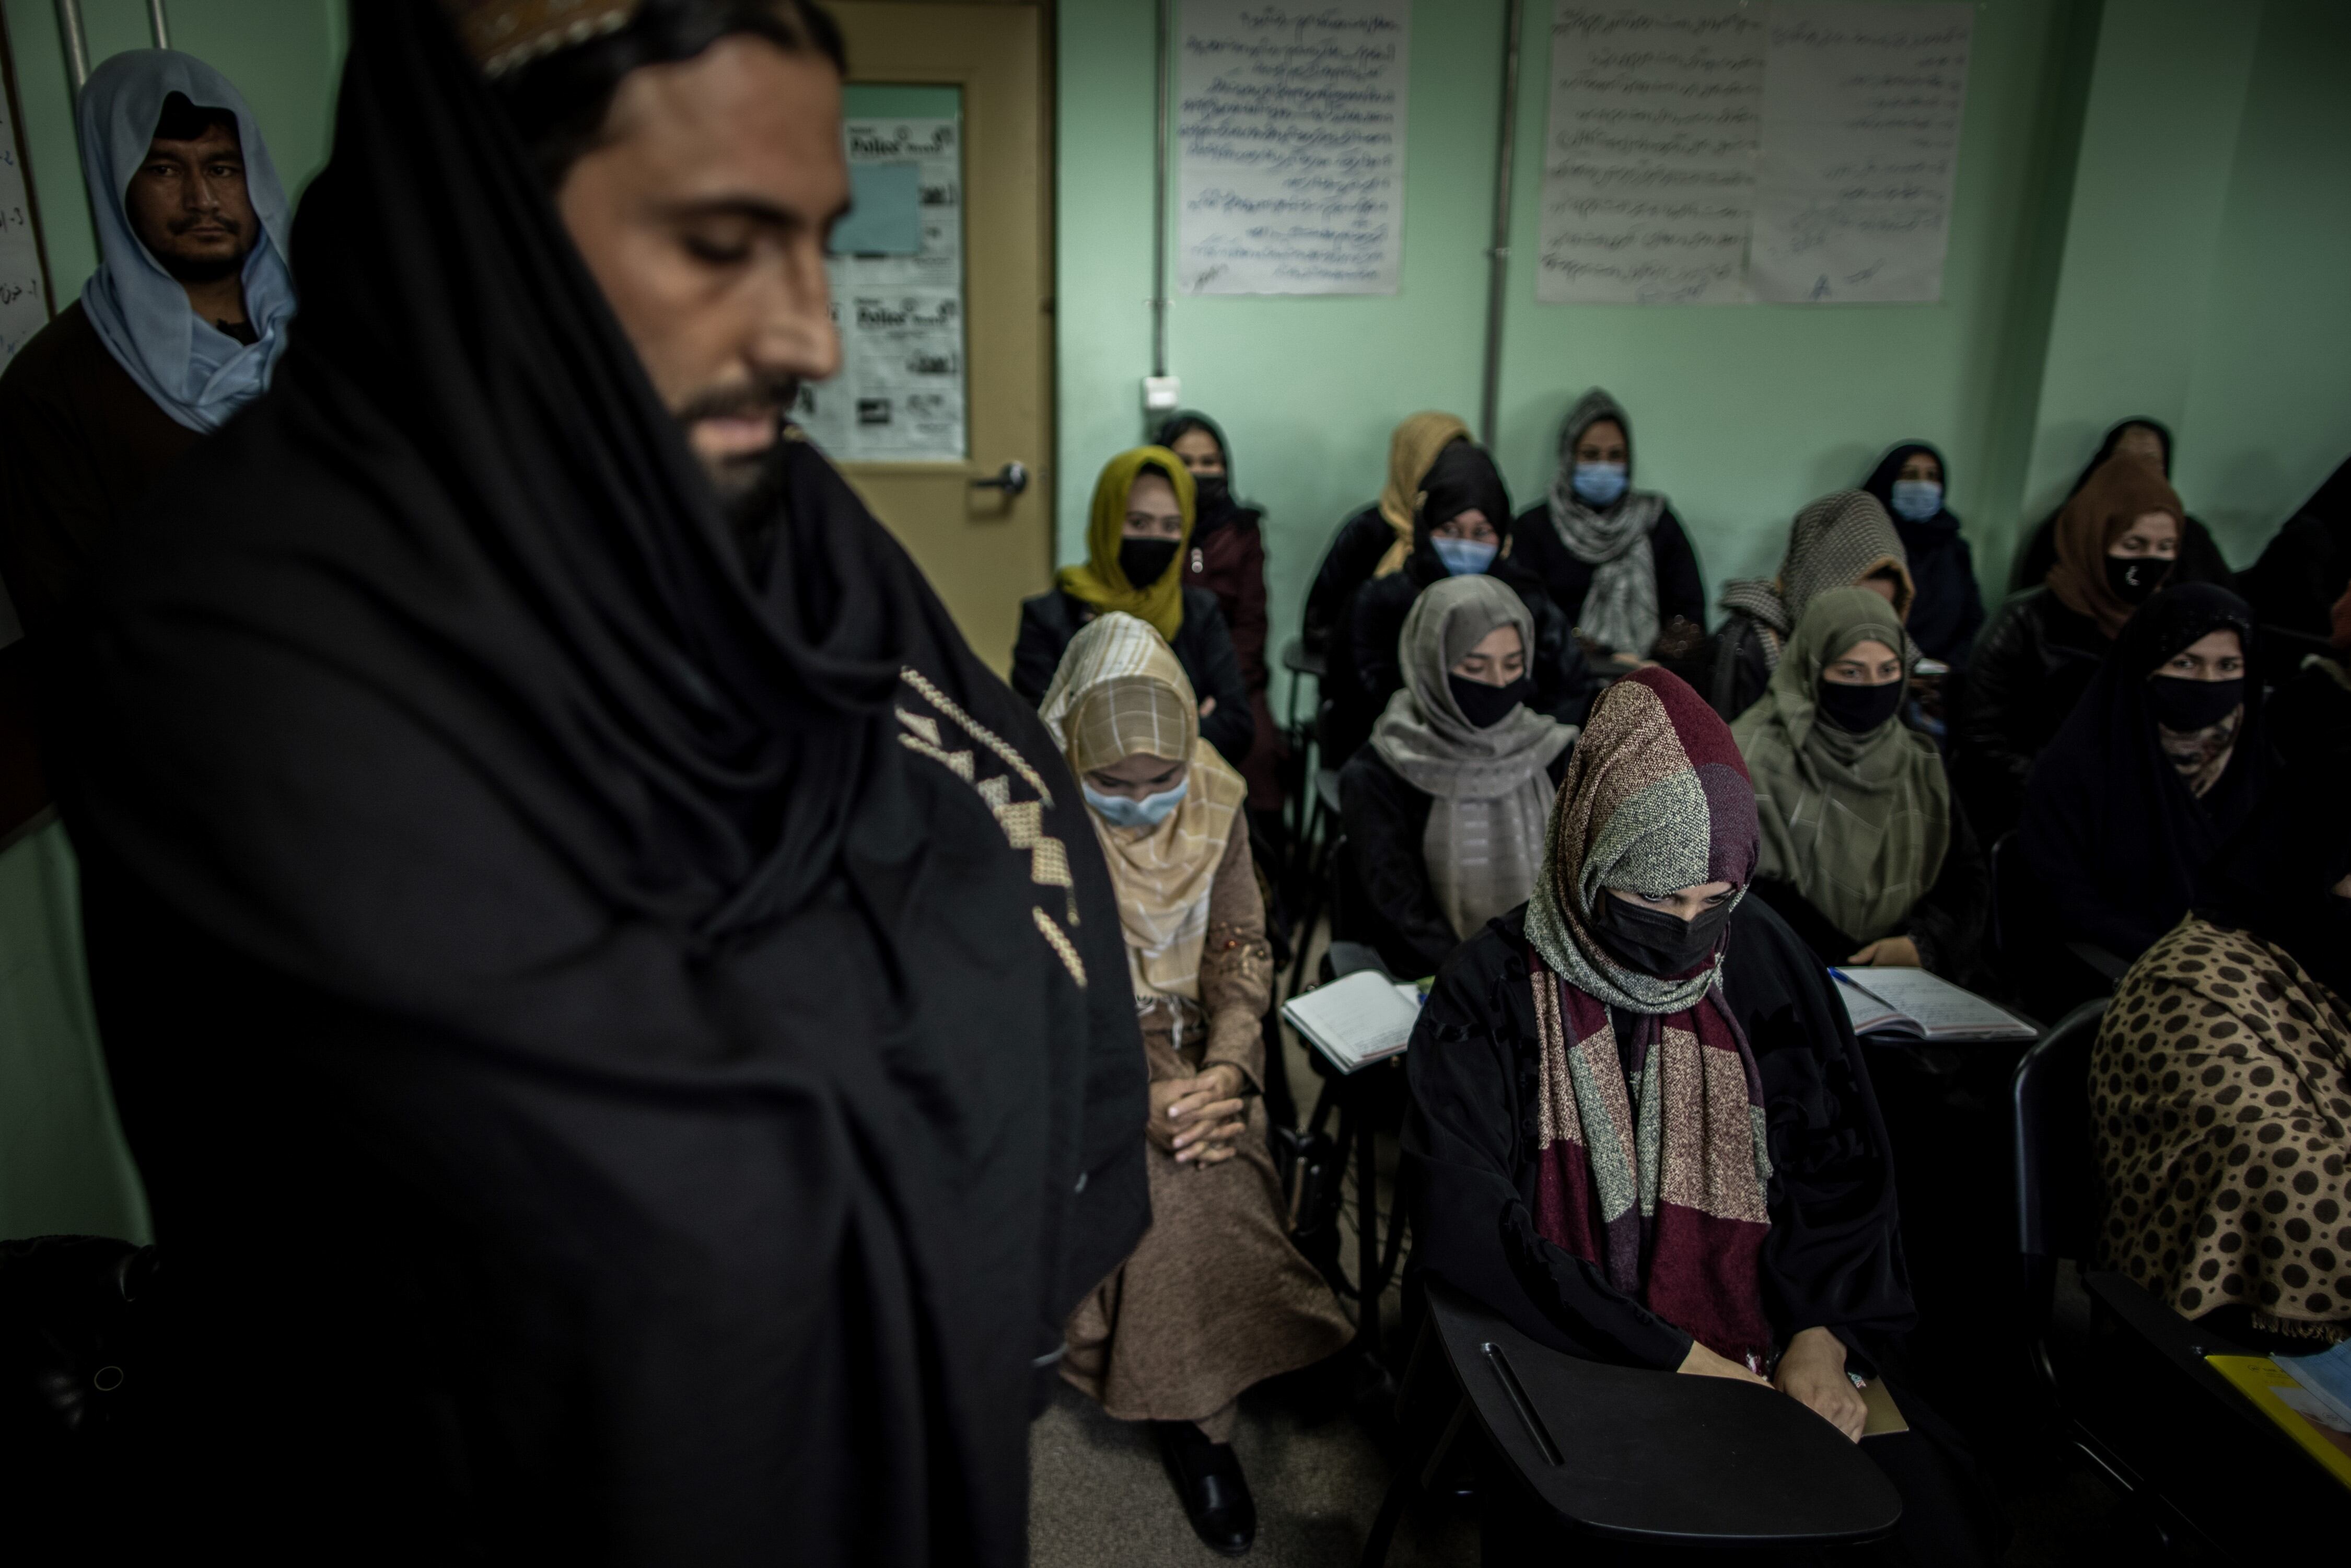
column 1012, row 479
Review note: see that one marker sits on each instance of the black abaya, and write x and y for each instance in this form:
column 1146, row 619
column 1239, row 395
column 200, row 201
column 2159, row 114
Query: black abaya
column 616, row 1079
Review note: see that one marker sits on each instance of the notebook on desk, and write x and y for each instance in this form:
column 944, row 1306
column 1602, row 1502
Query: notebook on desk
column 1356, row 1021
column 1915, row 1005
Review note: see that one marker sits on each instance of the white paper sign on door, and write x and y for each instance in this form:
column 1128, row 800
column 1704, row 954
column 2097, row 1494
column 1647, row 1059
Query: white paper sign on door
column 1656, row 115
column 1290, row 135
column 1861, row 145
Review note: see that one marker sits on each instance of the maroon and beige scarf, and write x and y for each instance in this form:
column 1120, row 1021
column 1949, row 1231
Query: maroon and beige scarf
column 1657, row 1176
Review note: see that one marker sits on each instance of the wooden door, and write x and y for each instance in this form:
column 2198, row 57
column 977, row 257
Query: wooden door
column 984, row 550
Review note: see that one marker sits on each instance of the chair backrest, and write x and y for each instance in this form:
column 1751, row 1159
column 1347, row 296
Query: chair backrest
column 2057, row 1168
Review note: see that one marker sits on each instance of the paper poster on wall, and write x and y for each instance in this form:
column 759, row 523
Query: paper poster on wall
column 1656, row 115
column 1291, row 133
column 1706, row 151
column 899, row 395
column 24, row 298
column 1860, row 142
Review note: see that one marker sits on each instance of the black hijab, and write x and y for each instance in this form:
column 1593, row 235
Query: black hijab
column 2199, row 555
column 2109, row 825
column 1462, row 478
column 1947, row 605
column 1213, row 512
column 2306, row 569
column 579, row 1021
column 2276, row 877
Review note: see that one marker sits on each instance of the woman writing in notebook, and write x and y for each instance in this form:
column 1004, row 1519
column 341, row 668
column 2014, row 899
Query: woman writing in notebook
column 1641, row 1129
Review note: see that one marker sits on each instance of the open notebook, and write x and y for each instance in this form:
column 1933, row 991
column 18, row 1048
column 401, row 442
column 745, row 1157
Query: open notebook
column 1916, row 1005
column 1356, row 1021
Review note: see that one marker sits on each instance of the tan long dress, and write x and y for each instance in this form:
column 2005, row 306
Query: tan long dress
column 1215, row 1298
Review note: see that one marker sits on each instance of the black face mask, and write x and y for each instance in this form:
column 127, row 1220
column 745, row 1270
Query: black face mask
column 1656, row 943
column 1486, row 706
column 2135, row 577
column 2190, row 705
column 1210, row 492
column 1859, row 709
column 1145, row 561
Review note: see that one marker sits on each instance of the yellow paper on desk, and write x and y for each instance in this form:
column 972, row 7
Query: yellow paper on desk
column 2267, row 1384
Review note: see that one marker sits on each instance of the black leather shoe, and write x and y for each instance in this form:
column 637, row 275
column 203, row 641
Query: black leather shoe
column 1207, row 1477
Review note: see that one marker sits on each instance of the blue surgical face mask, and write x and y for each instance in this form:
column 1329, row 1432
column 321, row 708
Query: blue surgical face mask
column 1464, row 557
column 1124, row 811
column 1917, row 499
column 1599, row 483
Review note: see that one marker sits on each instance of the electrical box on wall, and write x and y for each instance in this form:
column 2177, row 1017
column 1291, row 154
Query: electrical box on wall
column 1162, row 394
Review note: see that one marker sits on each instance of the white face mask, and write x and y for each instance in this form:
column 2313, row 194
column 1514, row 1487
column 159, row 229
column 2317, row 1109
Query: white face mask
column 1125, row 811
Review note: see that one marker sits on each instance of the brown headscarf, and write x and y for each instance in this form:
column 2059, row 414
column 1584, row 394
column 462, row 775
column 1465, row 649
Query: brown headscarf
column 2123, row 490
column 1412, row 450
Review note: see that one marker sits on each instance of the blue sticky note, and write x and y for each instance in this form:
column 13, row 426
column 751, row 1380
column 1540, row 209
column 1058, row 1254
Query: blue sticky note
column 885, row 211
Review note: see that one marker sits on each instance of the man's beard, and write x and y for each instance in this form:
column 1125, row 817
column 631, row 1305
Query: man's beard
column 751, row 499
column 737, row 479
column 206, row 268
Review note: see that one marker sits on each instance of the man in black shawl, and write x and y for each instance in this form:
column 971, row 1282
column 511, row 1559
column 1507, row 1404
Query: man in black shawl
column 622, row 1017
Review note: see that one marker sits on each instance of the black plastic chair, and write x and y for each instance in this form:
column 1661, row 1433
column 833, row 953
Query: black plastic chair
column 2132, row 1388
column 1303, row 666
column 1614, row 1450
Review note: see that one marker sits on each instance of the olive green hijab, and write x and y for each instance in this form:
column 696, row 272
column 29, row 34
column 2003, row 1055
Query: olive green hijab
column 1857, row 824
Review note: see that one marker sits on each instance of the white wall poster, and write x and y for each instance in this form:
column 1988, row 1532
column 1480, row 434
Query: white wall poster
column 1706, row 151
column 898, row 305
column 1656, row 117
column 1861, row 141
column 1290, row 136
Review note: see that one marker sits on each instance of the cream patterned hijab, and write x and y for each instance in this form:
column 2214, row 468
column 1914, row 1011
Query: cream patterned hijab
column 1120, row 693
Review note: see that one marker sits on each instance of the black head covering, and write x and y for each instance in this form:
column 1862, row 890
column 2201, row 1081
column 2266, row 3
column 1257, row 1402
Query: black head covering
column 2306, row 569
column 1947, row 605
column 2113, row 439
column 1880, row 484
column 539, row 942
column 1225, row 509
column 2276, row 877
column 2108, row 824
column 1463, row 478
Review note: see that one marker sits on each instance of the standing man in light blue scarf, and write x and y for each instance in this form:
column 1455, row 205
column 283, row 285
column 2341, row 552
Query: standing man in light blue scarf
column 177, row 329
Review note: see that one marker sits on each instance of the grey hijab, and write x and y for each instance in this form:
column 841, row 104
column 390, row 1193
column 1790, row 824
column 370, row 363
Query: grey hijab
column 1620, row 608
column 1835, row 542
column 1484, row 842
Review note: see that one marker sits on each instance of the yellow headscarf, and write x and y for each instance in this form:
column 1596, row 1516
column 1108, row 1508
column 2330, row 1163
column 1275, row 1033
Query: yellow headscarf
column 1101, row 582
column 1120, row 692
column 1412, row 450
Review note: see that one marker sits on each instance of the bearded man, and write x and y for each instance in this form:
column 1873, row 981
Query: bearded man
column 621, row 1016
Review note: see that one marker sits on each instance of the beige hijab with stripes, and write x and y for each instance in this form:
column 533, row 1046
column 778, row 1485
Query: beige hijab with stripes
column 1120, row 693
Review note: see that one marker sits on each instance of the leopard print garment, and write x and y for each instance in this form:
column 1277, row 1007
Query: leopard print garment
column 2221, row 1085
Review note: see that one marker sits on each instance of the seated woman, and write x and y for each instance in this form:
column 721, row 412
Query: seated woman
column 1227, row 556
column 1841, row 541
column 2163, row 758
column 2116, row 543
column 1215, row 1298
column 1374, row 540
column 1613, row 559
column 1461, row 527
column 2307, row 568
column 1642, row 1128
column 1443, row 811
column 1140, row 525
column 1912, row 482
column 1865, row 855
column 2220, row 1086
column 2136, row 439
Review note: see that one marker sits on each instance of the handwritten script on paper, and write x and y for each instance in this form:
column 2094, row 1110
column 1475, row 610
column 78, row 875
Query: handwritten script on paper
column 1656, row 115
column 24, row 305
column 1710, row 152
column 1861, row 143
column 1290, row 130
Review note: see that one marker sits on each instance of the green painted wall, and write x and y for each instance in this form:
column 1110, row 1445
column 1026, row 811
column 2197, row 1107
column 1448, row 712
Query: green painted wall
column 2153, row 206
column 284, row 56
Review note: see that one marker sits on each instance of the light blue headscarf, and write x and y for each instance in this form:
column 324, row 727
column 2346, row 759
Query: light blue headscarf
column 195, row 373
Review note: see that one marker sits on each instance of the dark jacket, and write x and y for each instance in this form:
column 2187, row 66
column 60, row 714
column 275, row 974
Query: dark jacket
column 1681, row 591
column 1202, row 645
column 1472, row 1136
column 1948, row 922
column 1731, row 668
column 1355, row 553
column 1386, row 898
column 1364, row 672
column 2031, row 666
